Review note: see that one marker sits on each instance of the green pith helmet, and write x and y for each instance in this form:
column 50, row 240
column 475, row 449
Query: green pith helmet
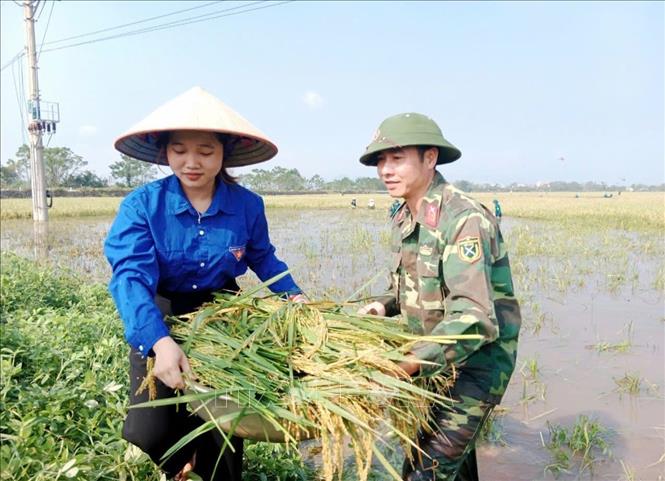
column 409, row 129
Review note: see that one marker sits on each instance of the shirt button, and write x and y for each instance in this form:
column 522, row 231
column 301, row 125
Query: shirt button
column 194, row 286
column 201, row 232
column 140, row 348
column 202, row 264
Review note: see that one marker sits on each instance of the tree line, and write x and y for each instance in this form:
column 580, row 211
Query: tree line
column 280, row 179
column 65, row 169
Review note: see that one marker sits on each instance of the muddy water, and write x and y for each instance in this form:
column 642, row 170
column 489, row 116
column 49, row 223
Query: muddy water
column 333, row 253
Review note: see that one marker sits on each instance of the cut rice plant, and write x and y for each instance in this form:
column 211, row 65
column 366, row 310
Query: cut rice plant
column 307, row 371
column 630, row 383
column 604, row 346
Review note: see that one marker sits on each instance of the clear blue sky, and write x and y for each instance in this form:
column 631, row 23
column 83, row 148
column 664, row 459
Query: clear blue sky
column 515, row 85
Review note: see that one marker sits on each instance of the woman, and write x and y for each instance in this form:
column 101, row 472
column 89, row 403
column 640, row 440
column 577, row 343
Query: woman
column 173, row 243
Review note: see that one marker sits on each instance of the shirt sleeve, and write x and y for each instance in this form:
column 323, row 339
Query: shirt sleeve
column 469, row 305
column 130, row 249
column 261, row 256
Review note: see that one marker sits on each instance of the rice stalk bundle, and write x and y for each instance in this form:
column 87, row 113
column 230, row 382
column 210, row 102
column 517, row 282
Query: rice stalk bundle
column 311, row 370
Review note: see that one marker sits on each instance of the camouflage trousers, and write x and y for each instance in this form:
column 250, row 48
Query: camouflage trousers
column 449, row 449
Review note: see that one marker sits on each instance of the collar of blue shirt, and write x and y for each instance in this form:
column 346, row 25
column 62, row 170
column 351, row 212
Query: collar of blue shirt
column 223, row 199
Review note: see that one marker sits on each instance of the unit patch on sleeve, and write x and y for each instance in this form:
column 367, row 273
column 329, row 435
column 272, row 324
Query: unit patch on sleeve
column 468, row 249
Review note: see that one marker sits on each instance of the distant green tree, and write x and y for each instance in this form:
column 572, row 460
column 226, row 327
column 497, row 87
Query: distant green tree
column 277, row 179
column 130, row 172
column 288, row 179
column 316, row 182
column 369, row 184
column 257, row 179
column 87, row 178
column 61, row 165
column 341, row 185
column 464, row 185
column 9, row 177
column 20, row 165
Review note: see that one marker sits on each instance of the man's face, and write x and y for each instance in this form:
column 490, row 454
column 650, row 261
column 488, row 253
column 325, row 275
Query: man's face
column 404, row 172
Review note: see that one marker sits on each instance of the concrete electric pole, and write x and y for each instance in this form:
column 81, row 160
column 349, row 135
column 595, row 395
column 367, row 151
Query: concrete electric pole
column 35, row 124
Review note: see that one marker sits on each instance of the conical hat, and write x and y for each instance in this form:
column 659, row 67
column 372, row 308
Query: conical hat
column 197, row 109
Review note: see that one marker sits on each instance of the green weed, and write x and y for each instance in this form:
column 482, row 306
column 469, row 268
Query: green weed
column 579, row 446
column 273, row 462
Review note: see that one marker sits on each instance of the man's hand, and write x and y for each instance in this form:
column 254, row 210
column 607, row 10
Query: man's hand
column 410, row 365
column 375, row 309
column 170, row 363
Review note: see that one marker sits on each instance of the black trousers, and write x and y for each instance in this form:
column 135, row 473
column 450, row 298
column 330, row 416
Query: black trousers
column 155, row 430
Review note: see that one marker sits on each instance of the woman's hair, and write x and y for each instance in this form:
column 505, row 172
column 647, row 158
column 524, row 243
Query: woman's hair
column 228, row 143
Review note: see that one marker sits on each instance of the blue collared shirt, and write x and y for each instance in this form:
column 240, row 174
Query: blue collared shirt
column 159, row 241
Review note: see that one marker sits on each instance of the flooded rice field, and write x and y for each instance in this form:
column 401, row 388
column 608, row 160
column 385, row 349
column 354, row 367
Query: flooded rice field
column 591, row 357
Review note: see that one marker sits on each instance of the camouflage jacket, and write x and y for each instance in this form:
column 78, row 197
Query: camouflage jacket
column 450, row 275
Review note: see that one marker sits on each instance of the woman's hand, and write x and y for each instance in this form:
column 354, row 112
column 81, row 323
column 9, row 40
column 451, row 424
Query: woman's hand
column 375, row 309
column 298, row 298
column 170, row 363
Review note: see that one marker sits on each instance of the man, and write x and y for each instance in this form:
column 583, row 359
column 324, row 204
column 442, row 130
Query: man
column 450, row 275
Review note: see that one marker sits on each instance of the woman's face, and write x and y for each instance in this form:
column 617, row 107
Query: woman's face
column 195, row 158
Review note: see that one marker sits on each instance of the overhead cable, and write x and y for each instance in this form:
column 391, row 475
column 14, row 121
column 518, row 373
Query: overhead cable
column 130, row 23
column 18, row 55
column 48, row 22
column 172, row 24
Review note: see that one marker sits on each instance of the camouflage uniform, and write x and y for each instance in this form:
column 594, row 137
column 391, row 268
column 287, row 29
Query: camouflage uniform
column 450, row 275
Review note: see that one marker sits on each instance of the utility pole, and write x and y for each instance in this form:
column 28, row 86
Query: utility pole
column 35, row 125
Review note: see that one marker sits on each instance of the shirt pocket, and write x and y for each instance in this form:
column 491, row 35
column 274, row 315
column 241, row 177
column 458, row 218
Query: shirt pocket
column 230, row 260
column 430, row 283
column 174, row 264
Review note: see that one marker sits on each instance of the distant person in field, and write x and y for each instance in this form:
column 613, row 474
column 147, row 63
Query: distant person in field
column 176, row 241
column 497, row 210
column 353, row 203
column 450, row 275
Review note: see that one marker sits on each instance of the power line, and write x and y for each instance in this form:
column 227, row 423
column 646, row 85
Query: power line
column 14, row 59
column 173, row 24
column 20, row 104
column 43, row 2
column 48, row 22
column 131, row 23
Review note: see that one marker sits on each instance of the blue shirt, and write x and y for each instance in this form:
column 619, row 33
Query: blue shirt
column 159, row 241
